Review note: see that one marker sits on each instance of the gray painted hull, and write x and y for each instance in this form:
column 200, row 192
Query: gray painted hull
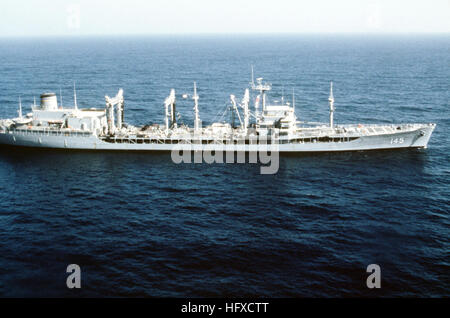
column 418, row 138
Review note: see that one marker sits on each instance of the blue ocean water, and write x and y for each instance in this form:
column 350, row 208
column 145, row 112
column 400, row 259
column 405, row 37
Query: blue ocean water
column 140, row 225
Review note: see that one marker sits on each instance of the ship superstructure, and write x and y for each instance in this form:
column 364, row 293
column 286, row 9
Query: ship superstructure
column 50, row 125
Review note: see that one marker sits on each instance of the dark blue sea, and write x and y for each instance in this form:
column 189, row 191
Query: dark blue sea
column 139, row 225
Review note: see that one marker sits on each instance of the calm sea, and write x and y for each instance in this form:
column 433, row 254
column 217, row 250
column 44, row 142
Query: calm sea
column 140, row 225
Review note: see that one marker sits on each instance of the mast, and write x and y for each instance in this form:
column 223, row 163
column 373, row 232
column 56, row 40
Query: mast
column 75, row 96
column 169, row 102
column 262, row 88
column 60, row 98
column 245, row 102
column 110, row 103
column 122, row 112
column 293, row 99
column 331, row 100
column 20, row 108
column 197, row 116
column 173, row 112
column 253, row 78
column 110, row 116
column 120, row 101
column 233, row 101
column 166, row 105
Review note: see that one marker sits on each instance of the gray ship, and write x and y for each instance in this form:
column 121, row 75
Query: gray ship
column 50, row 125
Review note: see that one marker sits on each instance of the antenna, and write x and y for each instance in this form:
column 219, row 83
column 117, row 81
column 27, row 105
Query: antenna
column 75, row 96
column 282, row 95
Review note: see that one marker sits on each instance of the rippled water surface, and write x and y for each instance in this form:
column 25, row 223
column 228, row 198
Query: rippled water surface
column 140, row 225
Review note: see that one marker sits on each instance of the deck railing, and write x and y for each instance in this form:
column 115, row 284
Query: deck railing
column 51, row 132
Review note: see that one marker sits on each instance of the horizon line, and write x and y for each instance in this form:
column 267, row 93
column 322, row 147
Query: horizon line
column 201, row 34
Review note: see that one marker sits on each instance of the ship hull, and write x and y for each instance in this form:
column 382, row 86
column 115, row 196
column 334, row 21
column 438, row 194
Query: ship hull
column 418, row 138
